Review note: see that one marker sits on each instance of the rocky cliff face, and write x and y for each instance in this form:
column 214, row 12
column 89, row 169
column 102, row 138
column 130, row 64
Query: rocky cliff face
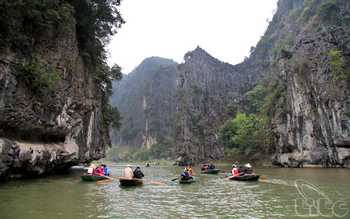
column 208, row 93
column 51, row 127
column 146, row 101
column 305, row 50
column 314, row 128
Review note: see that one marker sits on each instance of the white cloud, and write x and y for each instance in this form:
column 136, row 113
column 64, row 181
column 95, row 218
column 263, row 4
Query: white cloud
column 169, row 28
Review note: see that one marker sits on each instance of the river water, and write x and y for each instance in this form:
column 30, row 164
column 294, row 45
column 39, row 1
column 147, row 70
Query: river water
column 281, row 193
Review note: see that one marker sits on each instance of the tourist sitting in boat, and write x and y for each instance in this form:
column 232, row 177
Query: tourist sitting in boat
column 91, row 169
column 106, row 170
column 128, row 173
column 99, row 171
column 205, row 167
column 247, row 169
column 211, row 166
column 186, row 175
column 189, row 170
column 138, row 173
column 235, row 170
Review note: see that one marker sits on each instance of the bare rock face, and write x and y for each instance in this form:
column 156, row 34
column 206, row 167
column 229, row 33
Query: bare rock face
column 315, row 129
column 306, row 49
column 208, row 92
column 146, row 101
column 42, row 131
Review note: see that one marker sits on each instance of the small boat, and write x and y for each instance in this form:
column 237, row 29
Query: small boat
column 246, row 177
column 210, row 171
column 187, row 181
column 91, row 178
column 130, row 182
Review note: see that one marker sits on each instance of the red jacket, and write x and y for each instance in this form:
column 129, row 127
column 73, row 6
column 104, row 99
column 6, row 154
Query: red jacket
column 99, row 171
column 235, row 171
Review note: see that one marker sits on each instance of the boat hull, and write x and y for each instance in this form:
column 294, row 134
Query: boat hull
column 212, row 171
column 188, row 181
column 92, row 178
column 247, row 177
column 130, row 182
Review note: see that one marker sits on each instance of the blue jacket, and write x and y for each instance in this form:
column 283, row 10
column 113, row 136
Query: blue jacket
column 106, row 171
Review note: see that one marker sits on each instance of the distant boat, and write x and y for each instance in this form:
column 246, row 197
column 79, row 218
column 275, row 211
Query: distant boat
column 210, row 171
column 246, row 177
column 91, row 178
column 130, row 182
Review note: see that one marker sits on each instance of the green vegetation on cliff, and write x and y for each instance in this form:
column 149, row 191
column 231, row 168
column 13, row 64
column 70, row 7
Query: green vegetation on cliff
column 338, row 65
column 26, row 24
column 38, row 75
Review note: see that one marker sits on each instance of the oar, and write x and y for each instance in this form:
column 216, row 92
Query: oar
column 175, row 179
column 263, row 178
column 155, row 182
column 108, row 177
column 108, row 180
column 103, row 181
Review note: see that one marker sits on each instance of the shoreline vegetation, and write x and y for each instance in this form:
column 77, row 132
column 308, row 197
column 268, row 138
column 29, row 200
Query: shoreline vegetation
column 124, row 155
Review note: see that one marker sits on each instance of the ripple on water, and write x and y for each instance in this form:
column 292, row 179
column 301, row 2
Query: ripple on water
column 210, row 197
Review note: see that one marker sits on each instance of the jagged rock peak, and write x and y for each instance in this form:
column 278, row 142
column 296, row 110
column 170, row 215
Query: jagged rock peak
column 199, row 54
column 152, row 62
column 153, row 59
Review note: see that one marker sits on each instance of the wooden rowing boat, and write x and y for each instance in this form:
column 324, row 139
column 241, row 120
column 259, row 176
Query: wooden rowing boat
column 210, row 171
column 92, row 178
column 130, row 182
column 187, row 181
column 246, row 177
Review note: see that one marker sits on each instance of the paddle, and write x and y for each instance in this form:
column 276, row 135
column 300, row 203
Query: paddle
column 155, row 182
column 103, row 181
column 175, row 179
column 263, row 178
column 110, row 178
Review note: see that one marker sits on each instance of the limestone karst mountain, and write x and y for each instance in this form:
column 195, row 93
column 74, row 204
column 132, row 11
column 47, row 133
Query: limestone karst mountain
column 146, row 101
column 302, row 60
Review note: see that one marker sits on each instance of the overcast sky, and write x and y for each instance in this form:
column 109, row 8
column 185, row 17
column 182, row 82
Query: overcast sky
column 169, row 28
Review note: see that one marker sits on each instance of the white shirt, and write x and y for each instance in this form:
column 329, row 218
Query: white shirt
column 128, row 173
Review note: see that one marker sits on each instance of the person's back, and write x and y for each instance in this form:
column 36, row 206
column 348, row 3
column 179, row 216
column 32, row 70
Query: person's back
column 128, row 173
column 106, row 171
column 204, row 167
column 189, row 170
column 235, row 171
column 248, row 169
column 185, row 175
column 99, row 171
column 138, row 173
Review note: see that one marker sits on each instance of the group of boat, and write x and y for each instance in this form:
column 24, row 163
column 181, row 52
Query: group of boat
column 185, row 178
column 131, row 177
column 239, row 173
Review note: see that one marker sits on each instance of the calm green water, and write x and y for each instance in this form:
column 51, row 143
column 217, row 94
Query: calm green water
column 323, row 193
